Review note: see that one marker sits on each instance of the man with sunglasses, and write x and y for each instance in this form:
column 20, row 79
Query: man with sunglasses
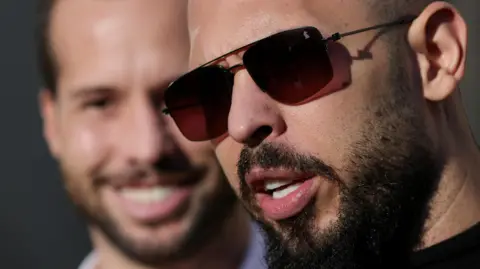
column 152, row 198
column 340, row 125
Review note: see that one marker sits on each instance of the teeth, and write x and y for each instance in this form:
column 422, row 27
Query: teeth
column 147, row 195
column 274, row 184
column 282, row 193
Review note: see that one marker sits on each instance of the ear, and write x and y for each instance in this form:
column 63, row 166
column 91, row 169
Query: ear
column 439, row 38
column 47, row 105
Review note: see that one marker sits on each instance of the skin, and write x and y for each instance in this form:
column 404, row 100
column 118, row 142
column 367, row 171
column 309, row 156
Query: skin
column 327, row 128
column 115, row 58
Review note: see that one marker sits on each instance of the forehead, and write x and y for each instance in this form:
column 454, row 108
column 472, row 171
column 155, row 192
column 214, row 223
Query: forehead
column 218, row 26
column 122, row 39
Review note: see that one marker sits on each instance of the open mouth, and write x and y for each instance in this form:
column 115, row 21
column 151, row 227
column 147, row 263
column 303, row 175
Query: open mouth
column 147, row 195
column 278, row 188
column 154, row 198
column 282, row 194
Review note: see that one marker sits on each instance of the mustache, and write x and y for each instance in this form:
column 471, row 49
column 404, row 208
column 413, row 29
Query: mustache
column 169, row 170
column 276, row 156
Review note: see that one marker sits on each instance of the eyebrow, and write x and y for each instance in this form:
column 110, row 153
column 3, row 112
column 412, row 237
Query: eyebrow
column 87, row 91
column 83, row 92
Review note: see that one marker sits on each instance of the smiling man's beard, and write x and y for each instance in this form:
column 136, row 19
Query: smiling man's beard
column 211, row 214
column 394, row 173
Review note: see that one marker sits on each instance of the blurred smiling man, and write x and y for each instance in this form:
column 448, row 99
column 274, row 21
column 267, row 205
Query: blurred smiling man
column 340, row 125
column 152, row 198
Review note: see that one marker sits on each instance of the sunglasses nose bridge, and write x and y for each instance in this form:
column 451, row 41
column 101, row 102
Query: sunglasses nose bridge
column 234, row 69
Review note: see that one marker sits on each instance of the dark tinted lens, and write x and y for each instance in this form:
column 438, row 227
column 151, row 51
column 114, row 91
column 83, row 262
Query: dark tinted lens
column 199, row 103
column 290, row 66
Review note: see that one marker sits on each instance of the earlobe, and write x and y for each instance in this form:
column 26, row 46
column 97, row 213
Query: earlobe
column 439, row 38
column 47, row 111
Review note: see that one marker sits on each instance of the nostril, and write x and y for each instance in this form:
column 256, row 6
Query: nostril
column 259, row 135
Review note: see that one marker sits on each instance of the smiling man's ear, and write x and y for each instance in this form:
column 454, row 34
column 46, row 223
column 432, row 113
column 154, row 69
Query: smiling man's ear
column 46, row 100
column 439, row 38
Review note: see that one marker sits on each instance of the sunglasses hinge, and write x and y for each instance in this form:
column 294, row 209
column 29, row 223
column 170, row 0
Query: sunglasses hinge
column 334, row 37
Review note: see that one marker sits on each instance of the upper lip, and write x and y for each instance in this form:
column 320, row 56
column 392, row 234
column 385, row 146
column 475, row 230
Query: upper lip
column 257, row 176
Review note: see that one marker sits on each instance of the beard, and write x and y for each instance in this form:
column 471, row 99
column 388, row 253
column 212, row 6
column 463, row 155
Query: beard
column 206, row 218
column 384, row 203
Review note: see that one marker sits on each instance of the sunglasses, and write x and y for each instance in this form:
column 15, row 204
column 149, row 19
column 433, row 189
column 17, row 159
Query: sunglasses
column 290, row 66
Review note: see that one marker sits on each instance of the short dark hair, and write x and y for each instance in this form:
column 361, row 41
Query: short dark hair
column 389, row 10
column 45, row 55
column 385, row 11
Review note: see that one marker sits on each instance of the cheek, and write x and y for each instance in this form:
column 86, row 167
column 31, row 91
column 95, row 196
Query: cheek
column 327, row 127
column 228, row 153
column 83, row 147
column 79, row 157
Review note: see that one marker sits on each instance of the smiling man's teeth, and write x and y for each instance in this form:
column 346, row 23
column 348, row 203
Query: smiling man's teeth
column 282, row 193
column 274, row 184
column 147, row 195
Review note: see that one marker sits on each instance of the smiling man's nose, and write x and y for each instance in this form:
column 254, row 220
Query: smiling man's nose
column 146, row 138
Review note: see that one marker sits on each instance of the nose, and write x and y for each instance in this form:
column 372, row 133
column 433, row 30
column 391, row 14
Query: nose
column 147, row 139
column 254, row 116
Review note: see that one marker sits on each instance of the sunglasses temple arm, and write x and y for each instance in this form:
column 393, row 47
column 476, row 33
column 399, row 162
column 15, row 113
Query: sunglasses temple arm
column 405, row 20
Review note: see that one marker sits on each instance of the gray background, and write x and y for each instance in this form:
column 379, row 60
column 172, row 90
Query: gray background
column 38, row 227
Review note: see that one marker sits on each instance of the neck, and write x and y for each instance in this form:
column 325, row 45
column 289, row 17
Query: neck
column 225, row 250
column 456, row 205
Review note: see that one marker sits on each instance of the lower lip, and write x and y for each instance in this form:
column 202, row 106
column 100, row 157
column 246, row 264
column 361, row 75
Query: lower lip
column 155, row 211
column 290, row 205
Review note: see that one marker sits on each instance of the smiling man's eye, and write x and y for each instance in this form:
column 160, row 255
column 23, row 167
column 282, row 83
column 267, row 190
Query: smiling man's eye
column 98, row 98
column 99, row 103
